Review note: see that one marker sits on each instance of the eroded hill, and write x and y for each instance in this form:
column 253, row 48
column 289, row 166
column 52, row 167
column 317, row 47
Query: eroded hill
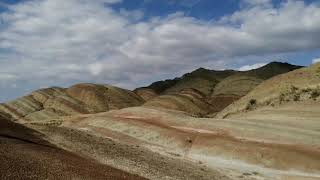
column 51, row 103
column 295, row 87
column 272, row 133
column 218, row 88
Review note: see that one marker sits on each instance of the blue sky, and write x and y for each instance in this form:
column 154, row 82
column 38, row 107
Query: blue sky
column 131, row 43
column 202, row 9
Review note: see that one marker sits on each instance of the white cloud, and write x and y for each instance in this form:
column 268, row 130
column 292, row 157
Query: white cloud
column 316, row 60
column 253, row 66
column 6, row 77
column 61, row 42
column 257, row 2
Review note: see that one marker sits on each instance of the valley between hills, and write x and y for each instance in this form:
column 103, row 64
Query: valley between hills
column 256, row 125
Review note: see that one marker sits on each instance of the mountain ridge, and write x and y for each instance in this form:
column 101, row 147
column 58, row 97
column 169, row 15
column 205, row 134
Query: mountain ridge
column 160, row 86
column 195, row 93
column 220, row 88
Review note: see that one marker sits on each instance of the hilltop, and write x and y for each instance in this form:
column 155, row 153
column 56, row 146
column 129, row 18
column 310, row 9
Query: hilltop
column 51, row 103
column 201, row 92
column 295, row 87
column 218, row 88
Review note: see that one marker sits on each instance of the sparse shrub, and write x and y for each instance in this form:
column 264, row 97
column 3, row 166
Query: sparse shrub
column 252, row 103
column 246, row 174
column 318, row 71
column 293, row 89
column 306, row 90
column 315, row 94
column 255, row 173
column 282, row 97
column 189, row 140
column 296, row 97
column 268, row 102
column 197, row 115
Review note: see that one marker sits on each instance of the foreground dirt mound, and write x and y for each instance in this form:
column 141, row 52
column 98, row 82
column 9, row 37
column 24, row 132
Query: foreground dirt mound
column 296, row 86
column 52, row 103
column 235, row 148
column 24, row 154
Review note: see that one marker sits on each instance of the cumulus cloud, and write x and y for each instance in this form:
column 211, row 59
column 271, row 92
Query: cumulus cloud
column 253, row 66
column 55, row 42
column 316, row 60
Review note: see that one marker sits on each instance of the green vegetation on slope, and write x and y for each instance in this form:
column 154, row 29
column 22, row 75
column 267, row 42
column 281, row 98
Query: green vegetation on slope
column 299, row 85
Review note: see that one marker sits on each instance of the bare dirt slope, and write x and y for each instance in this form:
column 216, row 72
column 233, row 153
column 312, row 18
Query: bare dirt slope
column 24, row 154
column 145, row 93
column 231, row 89
column 51, row 103
column 190, row 101
column 171, row 144
column 271, row 133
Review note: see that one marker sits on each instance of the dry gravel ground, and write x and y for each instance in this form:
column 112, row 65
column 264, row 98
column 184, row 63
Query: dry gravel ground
column 25, row 155
column 162, row 144
column 129, row 157
column 25, row 160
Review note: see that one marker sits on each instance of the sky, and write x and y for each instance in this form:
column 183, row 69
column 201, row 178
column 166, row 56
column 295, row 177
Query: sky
column 132, row 43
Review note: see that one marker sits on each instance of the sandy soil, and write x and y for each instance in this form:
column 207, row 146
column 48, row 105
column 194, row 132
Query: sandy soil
column 270, row 143
column 24, row 160
column 25, row 155
column 128, row 155
column 231, row 147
